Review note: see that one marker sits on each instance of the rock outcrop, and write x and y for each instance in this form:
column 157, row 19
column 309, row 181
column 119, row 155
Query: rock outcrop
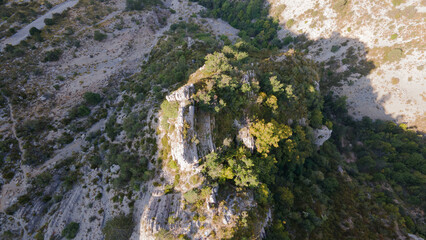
column 321, row 135
column 244, row 134
column 183, row 145
column 190, row 138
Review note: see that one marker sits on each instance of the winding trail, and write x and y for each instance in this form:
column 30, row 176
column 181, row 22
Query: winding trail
column 23, row 33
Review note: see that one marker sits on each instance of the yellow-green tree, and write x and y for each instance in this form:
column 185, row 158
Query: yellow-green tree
column 269, row 134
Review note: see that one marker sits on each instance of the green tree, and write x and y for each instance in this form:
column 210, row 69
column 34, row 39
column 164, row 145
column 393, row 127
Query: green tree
column 269, row 134
column 277, row 86
column 217, row 63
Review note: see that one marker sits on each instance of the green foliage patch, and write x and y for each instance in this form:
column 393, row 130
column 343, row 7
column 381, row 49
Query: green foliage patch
column 118, row 228
column 70, row 230
column 99, row 36
column 251, row 17
column 92, row 98
column 53, row 55
column 141, row 4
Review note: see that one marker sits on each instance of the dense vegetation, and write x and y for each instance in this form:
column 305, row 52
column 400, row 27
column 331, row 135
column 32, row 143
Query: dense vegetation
column 70, row 230
column 141, row 4
column 363, row 183
column 118, row 228
column 251, row 17
column 315, row 193
column 318, row 200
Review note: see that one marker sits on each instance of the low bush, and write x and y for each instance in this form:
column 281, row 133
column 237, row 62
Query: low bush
column 79, row 111
column 134, row 4
column 98, row 36
column 53, row 55
column 394, row 55
column 140, row 4
column 71, row 230
column 49, row 21
column 170, row 110
column 92, row 98
column 119, row 228
column 396, row 3
column 34, row 31
column 290, row 23
column 335, row 48
column 191, row 196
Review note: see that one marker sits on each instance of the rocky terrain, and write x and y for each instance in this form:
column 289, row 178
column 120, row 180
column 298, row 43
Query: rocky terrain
column 389, row 35
column 112, row 120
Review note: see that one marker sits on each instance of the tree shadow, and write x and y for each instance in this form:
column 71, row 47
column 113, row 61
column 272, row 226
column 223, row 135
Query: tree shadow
column 345, row 72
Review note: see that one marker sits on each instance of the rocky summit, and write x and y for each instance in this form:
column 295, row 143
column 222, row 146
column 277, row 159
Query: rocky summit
column 203, row 120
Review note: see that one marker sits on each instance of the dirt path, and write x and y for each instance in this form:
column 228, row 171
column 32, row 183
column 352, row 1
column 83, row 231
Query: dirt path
column 38, row 23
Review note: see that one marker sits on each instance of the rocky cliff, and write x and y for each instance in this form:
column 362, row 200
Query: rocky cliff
column 168, row 212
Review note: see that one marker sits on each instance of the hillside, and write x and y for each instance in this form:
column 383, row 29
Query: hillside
column 208, row 119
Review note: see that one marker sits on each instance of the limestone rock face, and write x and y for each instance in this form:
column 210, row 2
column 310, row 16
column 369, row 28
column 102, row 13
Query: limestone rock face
column 247, row 138
column 191, row 137
column 182, row 94
column 183, row 147
column 204, row 127
column 414, row 237
column 321, row 135
column 162, row 212
column 244, row 134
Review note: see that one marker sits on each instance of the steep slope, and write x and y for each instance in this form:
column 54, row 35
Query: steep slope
column 350, row 36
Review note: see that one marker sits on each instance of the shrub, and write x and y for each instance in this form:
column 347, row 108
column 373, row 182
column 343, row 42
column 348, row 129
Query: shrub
column 69, row 180
column 98, row 36
column 395, row 80
column 172, row 164
column 194, row 179
column 170, row 110
column 79, row 111
column 24, row 199
column 118, row 228
column 191, row 196
column 396, row 3
column 42, row 180
column 92, row 98
column 141, row 4
column 36, row 34
column 163, row 234
column 394, row 36
column 49, row 21
column 134, row 4
column 69, row 31
column 394, row 54
column 70, row 230
column 287, row 40
column 335, row 48
column 34, row 31
column 33, row 127
column 339, row 5
column 53, row 55
column 290, row 23
column 168, row 189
